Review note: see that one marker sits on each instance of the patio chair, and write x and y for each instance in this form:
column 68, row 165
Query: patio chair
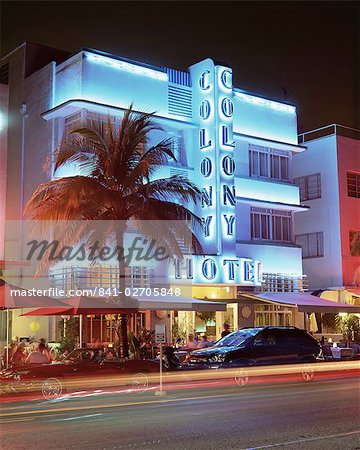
column 326, row 349
column 356, row 350
column 347, row 354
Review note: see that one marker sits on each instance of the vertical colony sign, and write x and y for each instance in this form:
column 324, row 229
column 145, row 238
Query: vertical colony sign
column 213, row 106
column 213, row 110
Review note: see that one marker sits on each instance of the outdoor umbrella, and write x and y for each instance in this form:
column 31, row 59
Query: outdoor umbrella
column 83, row 305
column 14, row 297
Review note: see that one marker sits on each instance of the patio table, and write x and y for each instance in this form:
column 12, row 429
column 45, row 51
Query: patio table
column 339, row 353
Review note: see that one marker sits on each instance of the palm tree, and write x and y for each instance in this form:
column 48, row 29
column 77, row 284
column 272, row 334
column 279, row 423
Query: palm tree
column 117, row 184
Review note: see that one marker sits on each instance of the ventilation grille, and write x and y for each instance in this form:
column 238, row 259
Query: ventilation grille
column 178, row 77
column 180, row 101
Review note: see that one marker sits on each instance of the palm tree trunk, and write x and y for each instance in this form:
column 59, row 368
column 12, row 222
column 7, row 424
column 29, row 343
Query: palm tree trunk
column 122, row 330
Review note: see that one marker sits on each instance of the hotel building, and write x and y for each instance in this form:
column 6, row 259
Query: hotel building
column 329, row 232
column 238, row 147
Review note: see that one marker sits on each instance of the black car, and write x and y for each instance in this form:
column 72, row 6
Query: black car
column 258, row 346
column 82, row 368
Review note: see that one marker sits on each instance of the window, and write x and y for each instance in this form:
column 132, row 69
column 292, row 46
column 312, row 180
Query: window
column 310, row 186
column 87, row 118
column 353, row 184
column 270, row 224
column 71, row 123
column 99, row 118
column 268, row 163
column 273, row 315
column 354, row 240
column 312, row 244
column 177, row 145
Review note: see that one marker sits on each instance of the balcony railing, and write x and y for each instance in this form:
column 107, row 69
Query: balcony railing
column 279, row 282
column 84, row 278
column 329, row 130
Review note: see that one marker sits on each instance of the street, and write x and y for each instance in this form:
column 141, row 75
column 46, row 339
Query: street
column 323, row 414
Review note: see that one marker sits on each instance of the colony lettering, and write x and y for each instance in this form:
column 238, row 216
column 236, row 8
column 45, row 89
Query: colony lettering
column 213, row 109
column 217, row 166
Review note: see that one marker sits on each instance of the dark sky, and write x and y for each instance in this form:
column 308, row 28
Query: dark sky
column 310, row 48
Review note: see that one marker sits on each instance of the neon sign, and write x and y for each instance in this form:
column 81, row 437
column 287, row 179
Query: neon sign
column 215, row 166
column 217, row 270
column 127, row 67
column 267, row 103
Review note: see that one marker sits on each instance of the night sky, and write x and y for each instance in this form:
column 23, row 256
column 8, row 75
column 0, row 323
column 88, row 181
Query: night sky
column 310, row 48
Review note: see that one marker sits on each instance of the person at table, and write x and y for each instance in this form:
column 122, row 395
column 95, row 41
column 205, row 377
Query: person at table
column 38, row 356
column 19, row 356
column 204, row 343
column 226, row 330
column 191, row 343
column 109, row 356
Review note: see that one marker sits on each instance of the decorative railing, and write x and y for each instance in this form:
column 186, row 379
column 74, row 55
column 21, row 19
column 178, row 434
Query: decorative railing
column 81, row 278
column 279, row 282
column 339, row 130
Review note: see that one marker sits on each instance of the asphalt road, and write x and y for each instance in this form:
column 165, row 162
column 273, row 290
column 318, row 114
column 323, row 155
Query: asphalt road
column 323, row 414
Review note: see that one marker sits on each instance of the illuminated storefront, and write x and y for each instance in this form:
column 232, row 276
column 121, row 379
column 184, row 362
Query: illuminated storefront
column 236, row 146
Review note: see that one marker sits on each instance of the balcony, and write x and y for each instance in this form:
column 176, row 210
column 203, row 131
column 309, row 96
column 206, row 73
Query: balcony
column 255, row 191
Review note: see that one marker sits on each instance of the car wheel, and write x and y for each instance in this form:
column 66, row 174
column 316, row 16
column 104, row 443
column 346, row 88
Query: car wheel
column 139, row 382
column 22, row 387
column 51, row 388
column 241, row 377
column 308, row 374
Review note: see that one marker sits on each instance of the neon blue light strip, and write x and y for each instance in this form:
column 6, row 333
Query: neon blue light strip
column 263, row 102
column 122, row 65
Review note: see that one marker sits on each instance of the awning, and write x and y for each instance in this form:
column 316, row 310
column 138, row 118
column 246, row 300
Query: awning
column 178, row 303
column 304, row 302
column 84, row 305
column 354, row 290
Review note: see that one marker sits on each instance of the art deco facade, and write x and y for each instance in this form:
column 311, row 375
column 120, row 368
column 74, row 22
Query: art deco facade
column 238, row 147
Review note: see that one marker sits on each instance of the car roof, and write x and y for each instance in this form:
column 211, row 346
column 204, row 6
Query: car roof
column 270, row 328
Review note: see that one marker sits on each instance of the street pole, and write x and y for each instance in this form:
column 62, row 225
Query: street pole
column 7, row 337
column 161, row 367
column 80, row 329
column 160, row 391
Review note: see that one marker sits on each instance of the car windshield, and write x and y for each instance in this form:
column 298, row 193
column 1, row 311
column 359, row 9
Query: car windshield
column 236, row 338
column 80, row 355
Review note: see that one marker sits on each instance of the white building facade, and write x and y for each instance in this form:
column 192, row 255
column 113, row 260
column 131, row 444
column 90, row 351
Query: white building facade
column 236, row 146
column 329, row 231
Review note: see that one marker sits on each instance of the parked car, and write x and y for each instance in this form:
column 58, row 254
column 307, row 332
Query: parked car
column 257, row 347
column 82, row 366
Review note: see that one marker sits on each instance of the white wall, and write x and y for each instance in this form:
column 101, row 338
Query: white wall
column 4, row 105
column 274, row 258
column 321, row 157
column 264, row 118
column 269, row 191
column 68, row 80
column 113, row 86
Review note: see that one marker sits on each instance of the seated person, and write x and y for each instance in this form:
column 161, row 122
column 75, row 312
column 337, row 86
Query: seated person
column 109, row 356
column 19, row 356
column 38, row 356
